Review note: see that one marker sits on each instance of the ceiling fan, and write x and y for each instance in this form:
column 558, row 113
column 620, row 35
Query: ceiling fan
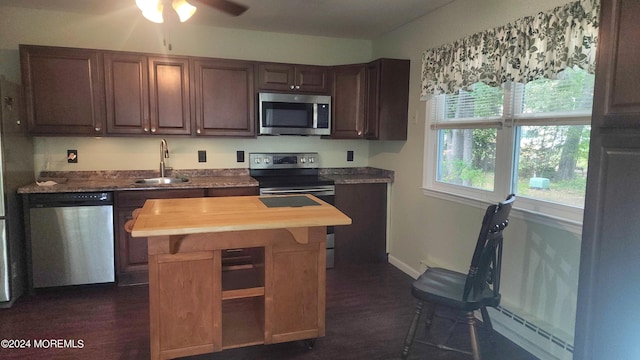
column 152, row 9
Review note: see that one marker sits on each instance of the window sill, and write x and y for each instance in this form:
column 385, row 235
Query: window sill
column 518, row 213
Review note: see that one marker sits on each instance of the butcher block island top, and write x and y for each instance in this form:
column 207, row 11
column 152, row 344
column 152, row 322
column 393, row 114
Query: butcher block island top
column 227, row 272
column 234, row 213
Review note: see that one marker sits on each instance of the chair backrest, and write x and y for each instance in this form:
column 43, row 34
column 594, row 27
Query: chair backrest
column 487, row 257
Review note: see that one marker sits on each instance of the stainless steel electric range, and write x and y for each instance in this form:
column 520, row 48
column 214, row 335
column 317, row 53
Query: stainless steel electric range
column 294, row 173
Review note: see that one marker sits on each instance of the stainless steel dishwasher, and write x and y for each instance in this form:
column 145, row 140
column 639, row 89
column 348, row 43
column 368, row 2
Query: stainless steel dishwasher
column 72, row 240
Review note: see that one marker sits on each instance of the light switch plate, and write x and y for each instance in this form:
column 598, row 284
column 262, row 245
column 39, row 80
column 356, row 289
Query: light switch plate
column 349, row 155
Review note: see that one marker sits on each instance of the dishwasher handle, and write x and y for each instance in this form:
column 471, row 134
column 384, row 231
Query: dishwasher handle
column 48, row 200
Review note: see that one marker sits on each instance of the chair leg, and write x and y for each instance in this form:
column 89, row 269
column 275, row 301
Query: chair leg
column 487, row 322
column 431, row 312
column 475, row 347
column 412, row 330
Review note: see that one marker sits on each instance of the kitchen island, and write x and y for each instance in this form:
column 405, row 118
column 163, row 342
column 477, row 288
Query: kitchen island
column 235, row 271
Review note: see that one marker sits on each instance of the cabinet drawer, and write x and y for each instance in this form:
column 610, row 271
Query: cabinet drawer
column 233, row 191
column 137, row 198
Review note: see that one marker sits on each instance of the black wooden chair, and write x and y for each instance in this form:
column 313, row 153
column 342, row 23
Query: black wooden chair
column 465, row 293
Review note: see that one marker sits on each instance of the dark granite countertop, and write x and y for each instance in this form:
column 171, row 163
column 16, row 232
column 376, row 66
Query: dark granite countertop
column 124, row 180
column 362, row 175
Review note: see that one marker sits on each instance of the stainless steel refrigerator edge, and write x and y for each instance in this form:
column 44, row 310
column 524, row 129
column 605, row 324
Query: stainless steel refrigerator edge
column 16, row 159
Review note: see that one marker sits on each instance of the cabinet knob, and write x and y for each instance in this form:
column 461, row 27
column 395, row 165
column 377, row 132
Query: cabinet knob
column 146, row 129
column 98, row 128
column 360, row 133
column 18, row 122
column 292, row 87
column 297, row 87
column 198, row 131
column 153, row 130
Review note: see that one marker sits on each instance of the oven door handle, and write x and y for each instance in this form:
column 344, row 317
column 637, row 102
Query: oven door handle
column 317, row 191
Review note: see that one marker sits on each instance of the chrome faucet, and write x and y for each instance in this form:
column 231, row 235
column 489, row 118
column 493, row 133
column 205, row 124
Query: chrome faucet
column 164, row 154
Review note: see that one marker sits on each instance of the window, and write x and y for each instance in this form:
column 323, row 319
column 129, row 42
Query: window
column 532, row 140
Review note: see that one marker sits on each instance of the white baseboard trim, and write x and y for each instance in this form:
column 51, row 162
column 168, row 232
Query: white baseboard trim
column 403, row 267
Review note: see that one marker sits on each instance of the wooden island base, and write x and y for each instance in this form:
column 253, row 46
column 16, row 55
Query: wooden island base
column 212, row 290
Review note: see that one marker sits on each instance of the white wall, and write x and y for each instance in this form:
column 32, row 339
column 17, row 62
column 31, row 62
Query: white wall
column 128, row 31
column 541, row 263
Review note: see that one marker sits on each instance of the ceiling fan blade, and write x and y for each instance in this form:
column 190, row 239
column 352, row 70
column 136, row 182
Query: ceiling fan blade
column 227, row 6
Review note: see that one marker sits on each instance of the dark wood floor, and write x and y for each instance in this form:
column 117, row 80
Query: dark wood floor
column 369, row 309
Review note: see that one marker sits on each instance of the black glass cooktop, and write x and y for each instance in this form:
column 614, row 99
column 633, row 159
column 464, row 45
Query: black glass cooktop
column 287, row 201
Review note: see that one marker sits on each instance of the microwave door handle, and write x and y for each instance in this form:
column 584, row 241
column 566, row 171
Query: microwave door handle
column 315, row 115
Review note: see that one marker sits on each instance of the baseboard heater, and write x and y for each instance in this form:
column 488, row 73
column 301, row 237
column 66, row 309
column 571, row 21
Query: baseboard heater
column 547, row 336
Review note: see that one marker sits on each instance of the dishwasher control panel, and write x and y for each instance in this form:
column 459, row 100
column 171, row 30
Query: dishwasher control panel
column 70, row 199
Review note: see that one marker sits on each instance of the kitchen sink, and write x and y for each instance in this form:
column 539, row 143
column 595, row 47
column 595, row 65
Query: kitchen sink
column 162, row 181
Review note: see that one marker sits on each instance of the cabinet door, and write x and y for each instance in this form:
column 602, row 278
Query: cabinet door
column 364, row 241
column 349, row 96
column 312, row 79
column 278, row 77
column 224, row 98
column 169, row 95
column 293, row 78
column 127, row 93
column 618, row 86
column 298, row 292
column 131, row 260
column 185, row 304
column 373, row 100
column 64, row 90
column 388, row 99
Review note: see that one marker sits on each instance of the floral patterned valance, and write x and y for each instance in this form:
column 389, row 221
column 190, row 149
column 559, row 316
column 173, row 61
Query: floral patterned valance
column 529, row 48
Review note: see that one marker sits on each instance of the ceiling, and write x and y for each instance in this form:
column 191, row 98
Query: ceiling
column 360, row 19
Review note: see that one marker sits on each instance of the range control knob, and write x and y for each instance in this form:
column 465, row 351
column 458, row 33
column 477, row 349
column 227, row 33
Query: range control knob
column 266, row 160
column 312, row 159
column 303, row 159
column 256, row 160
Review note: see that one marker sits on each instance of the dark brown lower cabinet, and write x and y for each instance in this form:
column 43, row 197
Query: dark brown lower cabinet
column 365, row 240
column 131, row 253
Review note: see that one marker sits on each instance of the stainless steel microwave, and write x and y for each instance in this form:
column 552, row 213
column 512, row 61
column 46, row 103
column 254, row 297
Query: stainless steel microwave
column 294, row 114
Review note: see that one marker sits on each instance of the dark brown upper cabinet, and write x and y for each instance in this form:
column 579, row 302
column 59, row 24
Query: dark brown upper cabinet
column 169, row 98
column 387, row 99
column 64, row 90
column 147, row 94
column 619, row 95
column 224, row 97
column 349, row 101
column 127, row 93
column 293, row 78
column 370, row 101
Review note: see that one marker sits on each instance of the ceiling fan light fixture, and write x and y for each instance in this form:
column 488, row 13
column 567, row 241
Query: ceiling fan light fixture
column 151, row 10
column 184, row 9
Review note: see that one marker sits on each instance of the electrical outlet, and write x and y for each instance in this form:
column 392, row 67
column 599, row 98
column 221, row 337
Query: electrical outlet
column 202, row 156
column 349, row 155
column 239, row 156
column 72, row 156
